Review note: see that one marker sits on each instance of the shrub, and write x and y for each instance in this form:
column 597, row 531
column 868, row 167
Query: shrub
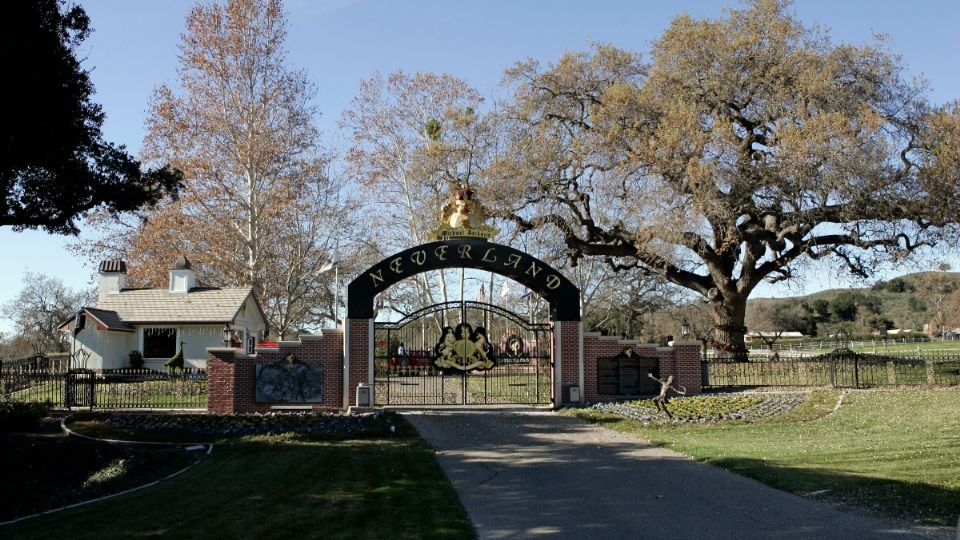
column 136, row 359
column 21, row 416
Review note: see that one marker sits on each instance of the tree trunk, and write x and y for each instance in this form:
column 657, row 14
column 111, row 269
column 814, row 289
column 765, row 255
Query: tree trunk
column 728, row 327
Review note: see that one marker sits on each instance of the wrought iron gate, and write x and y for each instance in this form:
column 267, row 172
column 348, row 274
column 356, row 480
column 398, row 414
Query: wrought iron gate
column 405, row 354
column 78, row 388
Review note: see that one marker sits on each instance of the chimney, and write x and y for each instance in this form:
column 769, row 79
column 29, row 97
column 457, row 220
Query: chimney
column 182, row 278
column 113, row 278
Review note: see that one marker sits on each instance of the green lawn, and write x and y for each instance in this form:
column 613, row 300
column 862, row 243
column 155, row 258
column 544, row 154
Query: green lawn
column 281, row 486
column 925, row 347
column 896, row 452
column 488, row 388
column 931, row 347
column 171, row 393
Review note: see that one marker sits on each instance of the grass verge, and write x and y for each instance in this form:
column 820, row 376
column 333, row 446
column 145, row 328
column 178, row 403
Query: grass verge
column 895, row 453
column 281, row 486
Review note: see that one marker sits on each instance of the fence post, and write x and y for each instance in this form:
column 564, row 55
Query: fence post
column 931, row 375
column 856, row 371
column 833, row 371
column 891, row 372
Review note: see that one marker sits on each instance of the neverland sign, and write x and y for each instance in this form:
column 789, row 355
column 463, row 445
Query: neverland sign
column 459, row 253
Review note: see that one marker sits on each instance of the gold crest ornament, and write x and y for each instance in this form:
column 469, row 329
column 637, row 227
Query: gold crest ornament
column 464, row 349
column 462, row 217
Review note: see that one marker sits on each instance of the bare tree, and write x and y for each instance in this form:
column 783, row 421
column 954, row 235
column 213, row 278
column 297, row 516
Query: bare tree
column 747, row 145
column 413, row 139
column 770, row 319
column 39, row 308
column 940, row 286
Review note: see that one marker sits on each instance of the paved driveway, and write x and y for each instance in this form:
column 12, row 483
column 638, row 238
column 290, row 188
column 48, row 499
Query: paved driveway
column 527, row 473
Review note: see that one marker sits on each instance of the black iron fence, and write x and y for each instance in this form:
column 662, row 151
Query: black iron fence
column 108, row 389
column 841, row 368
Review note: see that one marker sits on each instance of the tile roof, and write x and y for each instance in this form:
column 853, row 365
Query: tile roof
column 110, row 319
column 162, row 306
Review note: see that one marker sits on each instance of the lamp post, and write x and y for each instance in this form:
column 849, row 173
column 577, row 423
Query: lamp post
column 227, row 335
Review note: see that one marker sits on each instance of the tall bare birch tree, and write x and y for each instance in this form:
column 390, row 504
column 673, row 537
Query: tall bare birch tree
column 259, row 206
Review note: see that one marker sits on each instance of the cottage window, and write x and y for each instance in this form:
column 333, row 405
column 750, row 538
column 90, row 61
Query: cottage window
column 159, row 342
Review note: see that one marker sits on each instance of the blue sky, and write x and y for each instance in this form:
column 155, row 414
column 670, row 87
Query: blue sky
column 341, row 42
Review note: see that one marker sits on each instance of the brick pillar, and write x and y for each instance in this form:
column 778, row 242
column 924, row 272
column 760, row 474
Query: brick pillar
column 358, row 357
column 687, row 366
column 567, row 360
column 221, row 381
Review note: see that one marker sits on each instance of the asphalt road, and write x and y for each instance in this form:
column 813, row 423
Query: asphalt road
column 524, row 473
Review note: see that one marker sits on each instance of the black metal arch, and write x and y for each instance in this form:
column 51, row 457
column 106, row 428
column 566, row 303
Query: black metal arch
column 561, row 294
column 456, row 305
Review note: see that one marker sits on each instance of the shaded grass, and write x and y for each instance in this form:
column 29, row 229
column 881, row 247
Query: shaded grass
column 893, row 452
column 281, row 486
column 45, row 469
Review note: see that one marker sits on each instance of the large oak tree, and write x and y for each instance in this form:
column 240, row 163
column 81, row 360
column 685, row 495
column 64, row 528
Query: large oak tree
column 745, row 146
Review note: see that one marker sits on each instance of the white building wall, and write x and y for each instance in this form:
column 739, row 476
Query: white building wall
column 196, row 340
column 250, row 321
column 107, row 350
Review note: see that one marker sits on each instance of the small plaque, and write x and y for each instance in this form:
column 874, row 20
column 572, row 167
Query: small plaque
column 290, row 383
column 626, row 374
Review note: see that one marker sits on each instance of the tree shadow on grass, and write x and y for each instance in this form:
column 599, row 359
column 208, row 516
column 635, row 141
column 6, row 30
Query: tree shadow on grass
column 45, row 469
column 926, row 503
column 281, row 487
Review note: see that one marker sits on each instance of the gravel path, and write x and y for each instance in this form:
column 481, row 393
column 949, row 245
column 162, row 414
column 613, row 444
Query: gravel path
column 524, row 473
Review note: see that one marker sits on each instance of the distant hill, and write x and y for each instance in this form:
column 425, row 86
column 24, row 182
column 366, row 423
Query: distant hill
column 908, row 302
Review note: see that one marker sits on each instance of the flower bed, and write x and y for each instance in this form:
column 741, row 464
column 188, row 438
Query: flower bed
column 711, row 409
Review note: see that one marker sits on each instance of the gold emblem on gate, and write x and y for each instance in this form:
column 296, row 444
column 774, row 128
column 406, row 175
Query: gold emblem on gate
column 463, row 217
column 464, row 349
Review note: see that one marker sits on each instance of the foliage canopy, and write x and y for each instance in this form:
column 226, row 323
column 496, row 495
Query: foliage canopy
column 54, row 163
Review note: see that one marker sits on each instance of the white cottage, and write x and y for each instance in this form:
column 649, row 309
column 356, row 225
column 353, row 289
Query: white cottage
column 157, row 322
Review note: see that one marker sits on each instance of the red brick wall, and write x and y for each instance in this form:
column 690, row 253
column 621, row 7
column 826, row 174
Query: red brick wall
column 231, row 375
column 682, row 361
column 220, row 386
column 687, row 370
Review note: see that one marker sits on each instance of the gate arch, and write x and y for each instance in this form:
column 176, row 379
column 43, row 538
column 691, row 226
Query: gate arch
column 562, row 296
